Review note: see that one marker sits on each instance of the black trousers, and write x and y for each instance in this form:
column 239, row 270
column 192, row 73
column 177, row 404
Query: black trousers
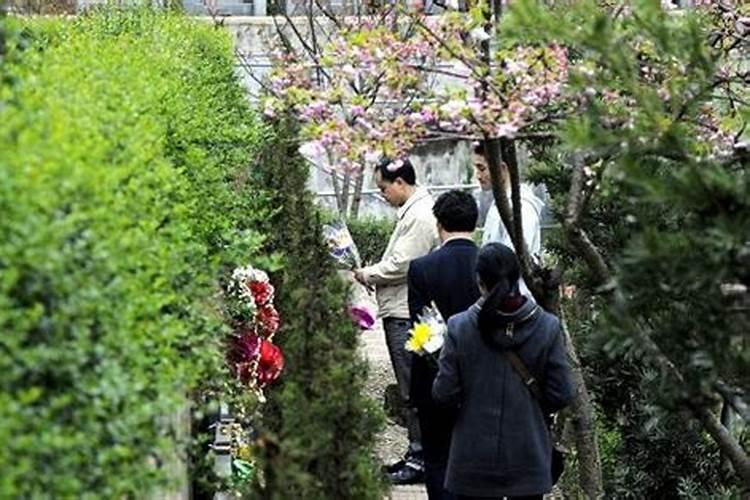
column 396, row 335
column 436, row 425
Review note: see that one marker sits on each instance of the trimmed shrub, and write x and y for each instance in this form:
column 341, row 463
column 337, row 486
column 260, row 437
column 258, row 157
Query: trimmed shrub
column 318, row 441
column 124, row 140
column 371, row 235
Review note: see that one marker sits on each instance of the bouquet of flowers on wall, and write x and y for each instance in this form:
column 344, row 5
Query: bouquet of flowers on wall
column 427, row 336
column 344, row 252
column 252, row 355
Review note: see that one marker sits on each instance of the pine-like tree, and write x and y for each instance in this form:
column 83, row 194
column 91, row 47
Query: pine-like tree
column 319, row 427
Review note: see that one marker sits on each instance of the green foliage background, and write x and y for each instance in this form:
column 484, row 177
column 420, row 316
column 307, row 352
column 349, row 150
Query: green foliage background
column 371, row 235
column 124, row 141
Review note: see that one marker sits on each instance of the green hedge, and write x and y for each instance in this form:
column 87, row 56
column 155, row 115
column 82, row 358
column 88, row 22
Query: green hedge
column 319, row 426
column 124, row 142
column 371, row 235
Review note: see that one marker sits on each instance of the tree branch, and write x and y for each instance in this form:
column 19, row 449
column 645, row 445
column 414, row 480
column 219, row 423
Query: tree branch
column 284, row 39
column 734, row 398
column 311, row 52
column 576, row 235
column 726, row 442
column 248, row 69
column 471, row 66
column 314, row 40
column 357, row 196
column 328, row 14
column 508, row 154
column 428, row 69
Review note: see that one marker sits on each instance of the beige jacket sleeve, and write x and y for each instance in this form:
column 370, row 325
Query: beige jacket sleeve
column 415, row 237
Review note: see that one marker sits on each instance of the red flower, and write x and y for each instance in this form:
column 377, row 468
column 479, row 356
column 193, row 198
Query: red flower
column 268, row 319
column 262, row 292
column 271, row 363
column 249, row 349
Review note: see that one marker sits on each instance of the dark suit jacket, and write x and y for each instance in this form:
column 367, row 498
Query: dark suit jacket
column 446, row 276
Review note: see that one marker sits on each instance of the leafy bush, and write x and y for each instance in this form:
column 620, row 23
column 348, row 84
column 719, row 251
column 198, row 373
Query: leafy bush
column 319, row 426
column 124, row 139
column 371, row 235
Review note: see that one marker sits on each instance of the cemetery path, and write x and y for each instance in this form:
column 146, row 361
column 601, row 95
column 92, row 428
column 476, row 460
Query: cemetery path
column 392, row 441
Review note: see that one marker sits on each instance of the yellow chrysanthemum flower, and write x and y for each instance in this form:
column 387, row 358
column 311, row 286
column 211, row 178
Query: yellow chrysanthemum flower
column 244, row 452
column 420, row 334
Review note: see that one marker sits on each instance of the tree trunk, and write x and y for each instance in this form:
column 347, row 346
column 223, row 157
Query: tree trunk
column 357, row 195
column 345, row 193
column 726, row 420
column 727, row 444
column 584, row 247
column 337, row 194
column 589, row 462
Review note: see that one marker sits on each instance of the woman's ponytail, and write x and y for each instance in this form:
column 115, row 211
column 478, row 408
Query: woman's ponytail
column 499, row 272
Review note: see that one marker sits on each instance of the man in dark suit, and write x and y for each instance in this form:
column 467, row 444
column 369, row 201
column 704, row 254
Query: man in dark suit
column 446, row 277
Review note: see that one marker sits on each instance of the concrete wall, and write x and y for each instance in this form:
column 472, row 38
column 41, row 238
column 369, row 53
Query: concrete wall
column 440, row 166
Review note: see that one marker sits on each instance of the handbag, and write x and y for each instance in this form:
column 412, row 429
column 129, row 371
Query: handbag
column 557, row 462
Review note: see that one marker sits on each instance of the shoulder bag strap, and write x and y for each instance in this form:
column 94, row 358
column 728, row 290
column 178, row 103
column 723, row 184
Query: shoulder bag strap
column 528, row 379
column 520, row 367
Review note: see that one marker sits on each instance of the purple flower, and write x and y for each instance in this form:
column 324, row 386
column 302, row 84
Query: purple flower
column 362, row 316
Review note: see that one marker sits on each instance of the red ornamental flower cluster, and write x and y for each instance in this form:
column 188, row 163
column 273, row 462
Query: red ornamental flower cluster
column 267, row 320
column 262, row 292
column 255, row 359
column 253, row 356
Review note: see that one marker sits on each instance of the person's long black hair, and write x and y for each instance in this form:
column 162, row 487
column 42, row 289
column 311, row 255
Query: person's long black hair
column 499, row 272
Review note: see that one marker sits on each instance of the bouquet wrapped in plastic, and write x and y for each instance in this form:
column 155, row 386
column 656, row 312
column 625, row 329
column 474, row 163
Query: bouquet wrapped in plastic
column 341, row 245
column 344, row 252
column 427, row 336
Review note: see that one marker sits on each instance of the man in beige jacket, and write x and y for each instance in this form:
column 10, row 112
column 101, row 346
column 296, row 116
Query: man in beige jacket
column 415, row 235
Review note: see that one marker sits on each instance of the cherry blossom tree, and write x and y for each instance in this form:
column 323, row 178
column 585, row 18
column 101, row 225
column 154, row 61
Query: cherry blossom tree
column 603, row 86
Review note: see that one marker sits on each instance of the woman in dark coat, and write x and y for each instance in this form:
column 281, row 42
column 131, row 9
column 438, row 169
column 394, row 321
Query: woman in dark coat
column 501, row 445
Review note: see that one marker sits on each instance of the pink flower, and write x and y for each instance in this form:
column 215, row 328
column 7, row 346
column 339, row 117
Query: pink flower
column 505, row 130
column 428, row 116
column 268, row 110
column 362, row 316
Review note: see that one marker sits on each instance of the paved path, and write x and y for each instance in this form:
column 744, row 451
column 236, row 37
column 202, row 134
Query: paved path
column 392, row 441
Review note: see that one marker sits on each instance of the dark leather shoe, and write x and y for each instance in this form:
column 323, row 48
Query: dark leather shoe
column 394, row 467
column 407, row 475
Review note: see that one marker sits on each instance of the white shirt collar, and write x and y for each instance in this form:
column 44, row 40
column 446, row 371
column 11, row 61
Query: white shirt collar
column 454, row 238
